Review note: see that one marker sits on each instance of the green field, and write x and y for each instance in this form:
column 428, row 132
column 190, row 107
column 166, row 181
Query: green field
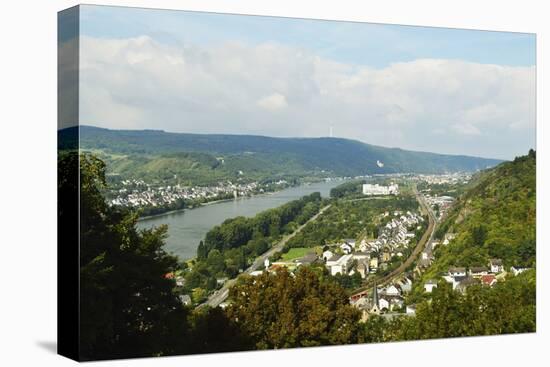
column 296, row 253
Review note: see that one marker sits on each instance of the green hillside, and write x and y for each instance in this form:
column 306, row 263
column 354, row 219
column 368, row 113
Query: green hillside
column 494, row 218
column 195, row 168
column 188, row 167
column 268, row 155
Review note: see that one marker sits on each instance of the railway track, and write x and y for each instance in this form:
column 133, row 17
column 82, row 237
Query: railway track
column 426, row 237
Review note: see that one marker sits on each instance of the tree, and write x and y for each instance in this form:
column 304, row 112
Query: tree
column 198, row 295
column 127, row 307
column 202, row 251
column 213, row 331
column 215, row 262
column 507, row 307
column 281, row 311
column 479, row 235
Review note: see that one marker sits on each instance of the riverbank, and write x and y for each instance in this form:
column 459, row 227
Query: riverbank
column 221, row 295
column 187, row 229
column 200, row 205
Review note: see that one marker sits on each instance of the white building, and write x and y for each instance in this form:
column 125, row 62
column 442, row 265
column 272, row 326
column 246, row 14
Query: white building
column 339, row 264
column 457, row 272
column 392, row 290
column 411, row 310
column 405, row 284
column 376, row 189
column 373, row 265
column 350, row 241
column 384, row 304
column 496, row 265
column 430, row 285
column 451, row 280
column 518, row 270
column 327, row 255
column 361, row 256
column 346, row 248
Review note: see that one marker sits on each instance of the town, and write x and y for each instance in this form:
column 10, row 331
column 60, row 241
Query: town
column 371, row 258
column 365, row 256
column 137, row 193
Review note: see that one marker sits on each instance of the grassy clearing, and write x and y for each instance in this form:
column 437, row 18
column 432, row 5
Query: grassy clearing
column 296, row 253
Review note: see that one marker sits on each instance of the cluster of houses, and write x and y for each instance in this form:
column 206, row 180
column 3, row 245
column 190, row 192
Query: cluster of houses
column 393, row 239
column 449, row 178
column 350, row 256
column 389, row 301
column 461, row 278
column 366, row 257
column 136, row 193
column 385, row 300
column 441, row 204
column 342, row 264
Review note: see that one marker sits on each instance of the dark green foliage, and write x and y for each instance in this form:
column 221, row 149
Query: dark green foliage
column 202, row 252
column 236, row 232
column 212, row 331
column 479, row 235
column 281, row 311
column 495, row 217
column 127, row 308
column 348, row 282
column 351, row 187
column 156, row 210
column 349, row 219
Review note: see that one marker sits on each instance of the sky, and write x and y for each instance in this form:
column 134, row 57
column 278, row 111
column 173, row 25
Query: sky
column 420, row 88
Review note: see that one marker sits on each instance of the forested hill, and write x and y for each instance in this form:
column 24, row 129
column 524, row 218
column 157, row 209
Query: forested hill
column 495, row 218
column 335, row 155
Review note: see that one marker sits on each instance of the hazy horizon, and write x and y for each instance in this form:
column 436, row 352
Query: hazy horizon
column 290, row 137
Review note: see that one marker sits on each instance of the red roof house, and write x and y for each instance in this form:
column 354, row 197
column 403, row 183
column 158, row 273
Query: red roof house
column 488, row 279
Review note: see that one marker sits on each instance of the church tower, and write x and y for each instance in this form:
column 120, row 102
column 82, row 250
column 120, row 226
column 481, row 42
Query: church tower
column 375, row 309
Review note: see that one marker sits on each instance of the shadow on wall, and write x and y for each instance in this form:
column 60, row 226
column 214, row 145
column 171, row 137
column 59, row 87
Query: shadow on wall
column 50, row 346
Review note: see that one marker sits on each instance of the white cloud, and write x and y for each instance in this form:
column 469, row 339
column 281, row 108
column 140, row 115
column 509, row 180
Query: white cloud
column 435, row 105
column 273, row 102
column 466, row 129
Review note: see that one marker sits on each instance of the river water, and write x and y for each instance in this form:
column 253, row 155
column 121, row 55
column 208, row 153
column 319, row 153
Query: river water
column 187, row 228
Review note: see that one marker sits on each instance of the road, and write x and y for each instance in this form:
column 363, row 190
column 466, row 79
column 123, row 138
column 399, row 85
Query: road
column 221, row 295
column 426, row 238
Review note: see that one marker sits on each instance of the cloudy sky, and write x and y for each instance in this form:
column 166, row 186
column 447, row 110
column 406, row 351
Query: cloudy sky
column 429, row 89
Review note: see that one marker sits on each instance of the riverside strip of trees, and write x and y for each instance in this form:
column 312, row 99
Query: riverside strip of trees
column 129, row 308
column 231, row 247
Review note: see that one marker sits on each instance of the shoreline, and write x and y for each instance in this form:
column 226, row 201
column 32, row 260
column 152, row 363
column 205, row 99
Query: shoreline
column 221, row 201
column 212, row 203
column 184, row 209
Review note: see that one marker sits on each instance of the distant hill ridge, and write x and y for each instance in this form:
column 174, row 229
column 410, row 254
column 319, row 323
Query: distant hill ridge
column 336, row 155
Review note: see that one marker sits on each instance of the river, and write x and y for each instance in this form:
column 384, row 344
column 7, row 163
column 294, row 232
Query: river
column 187, row 228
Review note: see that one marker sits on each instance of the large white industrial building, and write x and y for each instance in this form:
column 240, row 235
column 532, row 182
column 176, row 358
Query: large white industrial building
column 370, row 189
